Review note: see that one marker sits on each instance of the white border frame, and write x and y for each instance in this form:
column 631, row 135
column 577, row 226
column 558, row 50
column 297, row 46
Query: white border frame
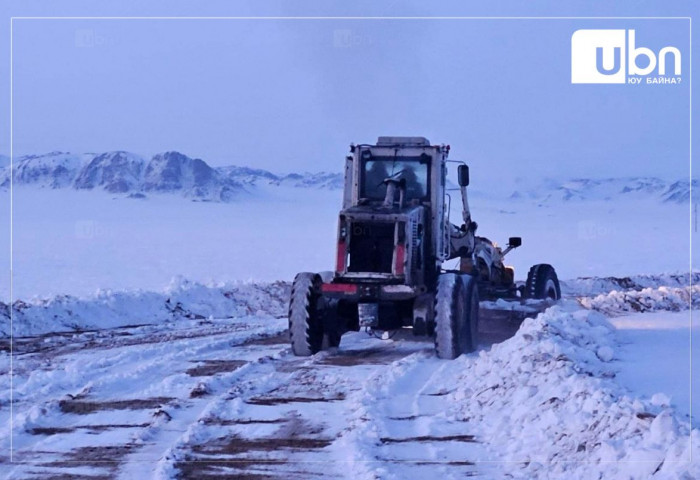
column 690, row 140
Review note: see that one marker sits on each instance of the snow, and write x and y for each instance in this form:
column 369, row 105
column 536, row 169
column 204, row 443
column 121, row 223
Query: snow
column 151, row 333
column 53, row 170
column 74, row 242
column 553, row 191
column 654, row 357
column 592, row 286
column 645, row 300
column 173, row 171
column 550, row 405
column 110, row 372
column 112, row 171
column 552, row 401
column 168, row 172
column 107, row 309
column 590, row 239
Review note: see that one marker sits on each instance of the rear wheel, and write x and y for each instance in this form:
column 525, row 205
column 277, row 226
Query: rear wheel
column 542, row 283
column 456, row 315
column 305, row 323
column 472, row 307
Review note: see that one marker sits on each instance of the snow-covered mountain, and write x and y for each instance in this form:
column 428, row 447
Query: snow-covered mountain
column 115, row 172
column 52, row 170
column 256, row 176
column 168, row 172
column 312, row 180
column 247, row 175
column 552, row 191
column 175, row 173
column 679, row 192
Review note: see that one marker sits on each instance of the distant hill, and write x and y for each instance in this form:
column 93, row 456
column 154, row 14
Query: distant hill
column 609, row 189
column 121, row 172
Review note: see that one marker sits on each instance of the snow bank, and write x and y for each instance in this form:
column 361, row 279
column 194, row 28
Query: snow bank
column 646, row 300
column 589, row 286
column 546, row 399
column 185, row 299
column 108, row 309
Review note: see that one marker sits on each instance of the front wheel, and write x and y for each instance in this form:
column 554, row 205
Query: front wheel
column 456, row 315
column 305, row 323
column 542, row 283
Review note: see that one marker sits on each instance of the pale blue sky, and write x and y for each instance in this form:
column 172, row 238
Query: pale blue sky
column 292, row 94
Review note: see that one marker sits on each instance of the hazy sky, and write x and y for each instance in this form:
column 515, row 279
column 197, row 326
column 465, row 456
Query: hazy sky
column 292, row 94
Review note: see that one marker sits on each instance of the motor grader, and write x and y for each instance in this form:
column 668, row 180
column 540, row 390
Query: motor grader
column 394, row 237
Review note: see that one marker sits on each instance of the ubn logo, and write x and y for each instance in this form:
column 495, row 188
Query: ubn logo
column 609, row 56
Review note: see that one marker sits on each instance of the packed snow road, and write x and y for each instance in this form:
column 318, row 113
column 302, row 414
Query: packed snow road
column 224, row 397
column 199, row 396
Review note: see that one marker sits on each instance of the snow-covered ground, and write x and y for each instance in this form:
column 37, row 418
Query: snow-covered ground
column 195, row 395
column 76, row 242
column 149, row 342
column 655, row 357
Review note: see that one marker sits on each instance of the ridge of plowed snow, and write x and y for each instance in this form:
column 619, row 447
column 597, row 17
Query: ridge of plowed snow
column 108, row 309
column 185, row 299
column 546, row 401
column 591, row 286
column 672, row 299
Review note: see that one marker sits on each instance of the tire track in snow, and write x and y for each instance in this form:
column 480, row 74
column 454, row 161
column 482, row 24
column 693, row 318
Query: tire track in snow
column 180, row 393
column 404, row 413
column 243, row 431
column 304, row 404
column 296, row 422
column 162, row 446
column 83, row 411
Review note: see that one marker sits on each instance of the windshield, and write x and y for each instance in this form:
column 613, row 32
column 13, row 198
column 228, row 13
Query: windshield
column 414, row 170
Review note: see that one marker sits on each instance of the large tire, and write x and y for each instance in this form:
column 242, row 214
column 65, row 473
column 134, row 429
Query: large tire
column 542, row 283
column 456, row 315
column 305, row 322
column 471, row 288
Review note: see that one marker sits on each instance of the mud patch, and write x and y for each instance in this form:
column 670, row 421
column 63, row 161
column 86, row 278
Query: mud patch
column 269, row 401
column 248, row 458
column 243, row 421
column 370, row 356
column 89, row 428
column 408, row 418
column 291, row 366
column 104, row 458
column 281, row 338
column 65, row 343
column 201, row 390
column 212, row 367
column 269, row 456
column 441, row 393
column 72, row 476
column 239, row 445
column 452, row 463
column 429, row 438
column 50, row 430
column 81, row 407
